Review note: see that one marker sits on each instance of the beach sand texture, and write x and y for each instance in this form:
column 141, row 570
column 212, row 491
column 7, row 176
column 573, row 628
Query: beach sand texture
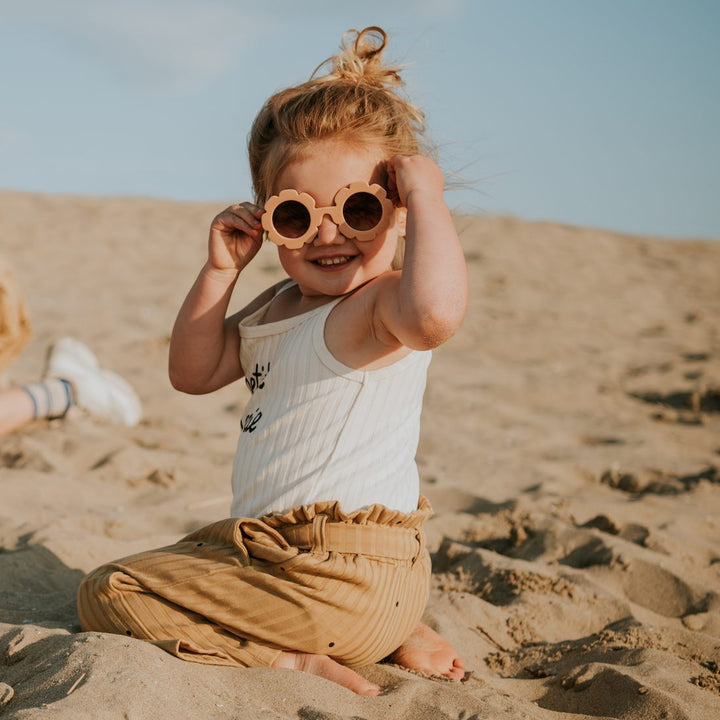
column 570, row 448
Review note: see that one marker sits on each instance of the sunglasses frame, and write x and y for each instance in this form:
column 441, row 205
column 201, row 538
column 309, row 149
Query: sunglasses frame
column 335, row 211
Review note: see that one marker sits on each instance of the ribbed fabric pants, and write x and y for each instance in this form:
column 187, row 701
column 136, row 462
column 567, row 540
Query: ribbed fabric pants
column 239, row 591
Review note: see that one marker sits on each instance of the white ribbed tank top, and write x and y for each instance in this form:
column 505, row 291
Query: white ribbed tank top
column 315, row 429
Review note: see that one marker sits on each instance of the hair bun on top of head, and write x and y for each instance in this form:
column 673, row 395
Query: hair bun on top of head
column 360, row 59
column 358, row 99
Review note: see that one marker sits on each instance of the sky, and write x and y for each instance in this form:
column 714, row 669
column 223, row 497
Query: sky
column 602, row 114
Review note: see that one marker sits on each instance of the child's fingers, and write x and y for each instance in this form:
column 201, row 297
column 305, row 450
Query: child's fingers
column 243, row 218
column 412, row 173
column 235, row 236
column 248, row 212
column 254, row 210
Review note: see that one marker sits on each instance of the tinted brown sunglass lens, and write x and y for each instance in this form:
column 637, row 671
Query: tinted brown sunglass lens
column 291, row 219
column 362, row 211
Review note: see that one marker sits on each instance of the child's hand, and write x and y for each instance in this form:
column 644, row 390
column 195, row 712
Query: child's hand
column 235, row 237
column 412, row 174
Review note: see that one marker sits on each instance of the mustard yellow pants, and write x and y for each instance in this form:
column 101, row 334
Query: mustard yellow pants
column 239, row 591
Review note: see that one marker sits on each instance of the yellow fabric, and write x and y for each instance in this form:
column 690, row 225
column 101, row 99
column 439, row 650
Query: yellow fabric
column 14, row 320
column 237, row 592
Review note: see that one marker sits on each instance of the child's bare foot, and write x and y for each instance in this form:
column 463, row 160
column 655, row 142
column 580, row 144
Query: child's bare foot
column 323, row 666
column 429, row 653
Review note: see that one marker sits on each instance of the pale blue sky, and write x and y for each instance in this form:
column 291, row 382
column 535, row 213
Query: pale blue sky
column 584, row 112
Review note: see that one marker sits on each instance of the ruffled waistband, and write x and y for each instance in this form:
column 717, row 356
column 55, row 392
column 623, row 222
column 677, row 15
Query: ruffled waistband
column 371, row 515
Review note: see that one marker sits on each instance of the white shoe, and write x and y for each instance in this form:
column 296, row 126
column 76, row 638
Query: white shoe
column 101, row 392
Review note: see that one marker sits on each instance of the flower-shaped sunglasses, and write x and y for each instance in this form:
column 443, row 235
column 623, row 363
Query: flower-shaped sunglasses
column 361, row 212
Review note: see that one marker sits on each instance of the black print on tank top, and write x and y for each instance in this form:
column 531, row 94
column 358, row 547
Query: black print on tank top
column 256, row 379
column 249, row 423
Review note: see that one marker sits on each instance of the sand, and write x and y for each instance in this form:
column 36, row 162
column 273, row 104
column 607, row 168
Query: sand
column 570, row 448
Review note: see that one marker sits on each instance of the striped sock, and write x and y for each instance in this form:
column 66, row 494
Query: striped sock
column 50, row 398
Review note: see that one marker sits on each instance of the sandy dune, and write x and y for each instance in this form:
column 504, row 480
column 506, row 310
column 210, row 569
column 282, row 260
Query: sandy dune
column 571, row 450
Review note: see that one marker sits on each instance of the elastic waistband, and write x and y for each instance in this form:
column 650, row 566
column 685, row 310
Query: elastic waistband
column 322, row 535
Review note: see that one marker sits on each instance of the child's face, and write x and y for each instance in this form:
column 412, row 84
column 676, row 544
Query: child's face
column 332, row 264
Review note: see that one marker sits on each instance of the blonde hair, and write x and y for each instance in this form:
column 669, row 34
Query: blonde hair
column 356, row 102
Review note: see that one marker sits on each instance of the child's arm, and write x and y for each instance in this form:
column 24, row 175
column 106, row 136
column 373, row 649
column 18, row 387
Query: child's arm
column 424, row 305
column 204, row 347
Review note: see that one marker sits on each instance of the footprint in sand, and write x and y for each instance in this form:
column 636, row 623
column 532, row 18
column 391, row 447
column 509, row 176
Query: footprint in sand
column 643, row 583
column 22, row 453
column 681, row 405
column 701, row 400
column 632, row 532
column 658, row 482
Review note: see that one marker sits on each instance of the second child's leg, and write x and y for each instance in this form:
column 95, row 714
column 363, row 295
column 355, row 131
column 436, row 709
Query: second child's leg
column 16, row 410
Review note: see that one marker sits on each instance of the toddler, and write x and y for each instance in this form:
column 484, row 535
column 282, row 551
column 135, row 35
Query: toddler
column 321, row 566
